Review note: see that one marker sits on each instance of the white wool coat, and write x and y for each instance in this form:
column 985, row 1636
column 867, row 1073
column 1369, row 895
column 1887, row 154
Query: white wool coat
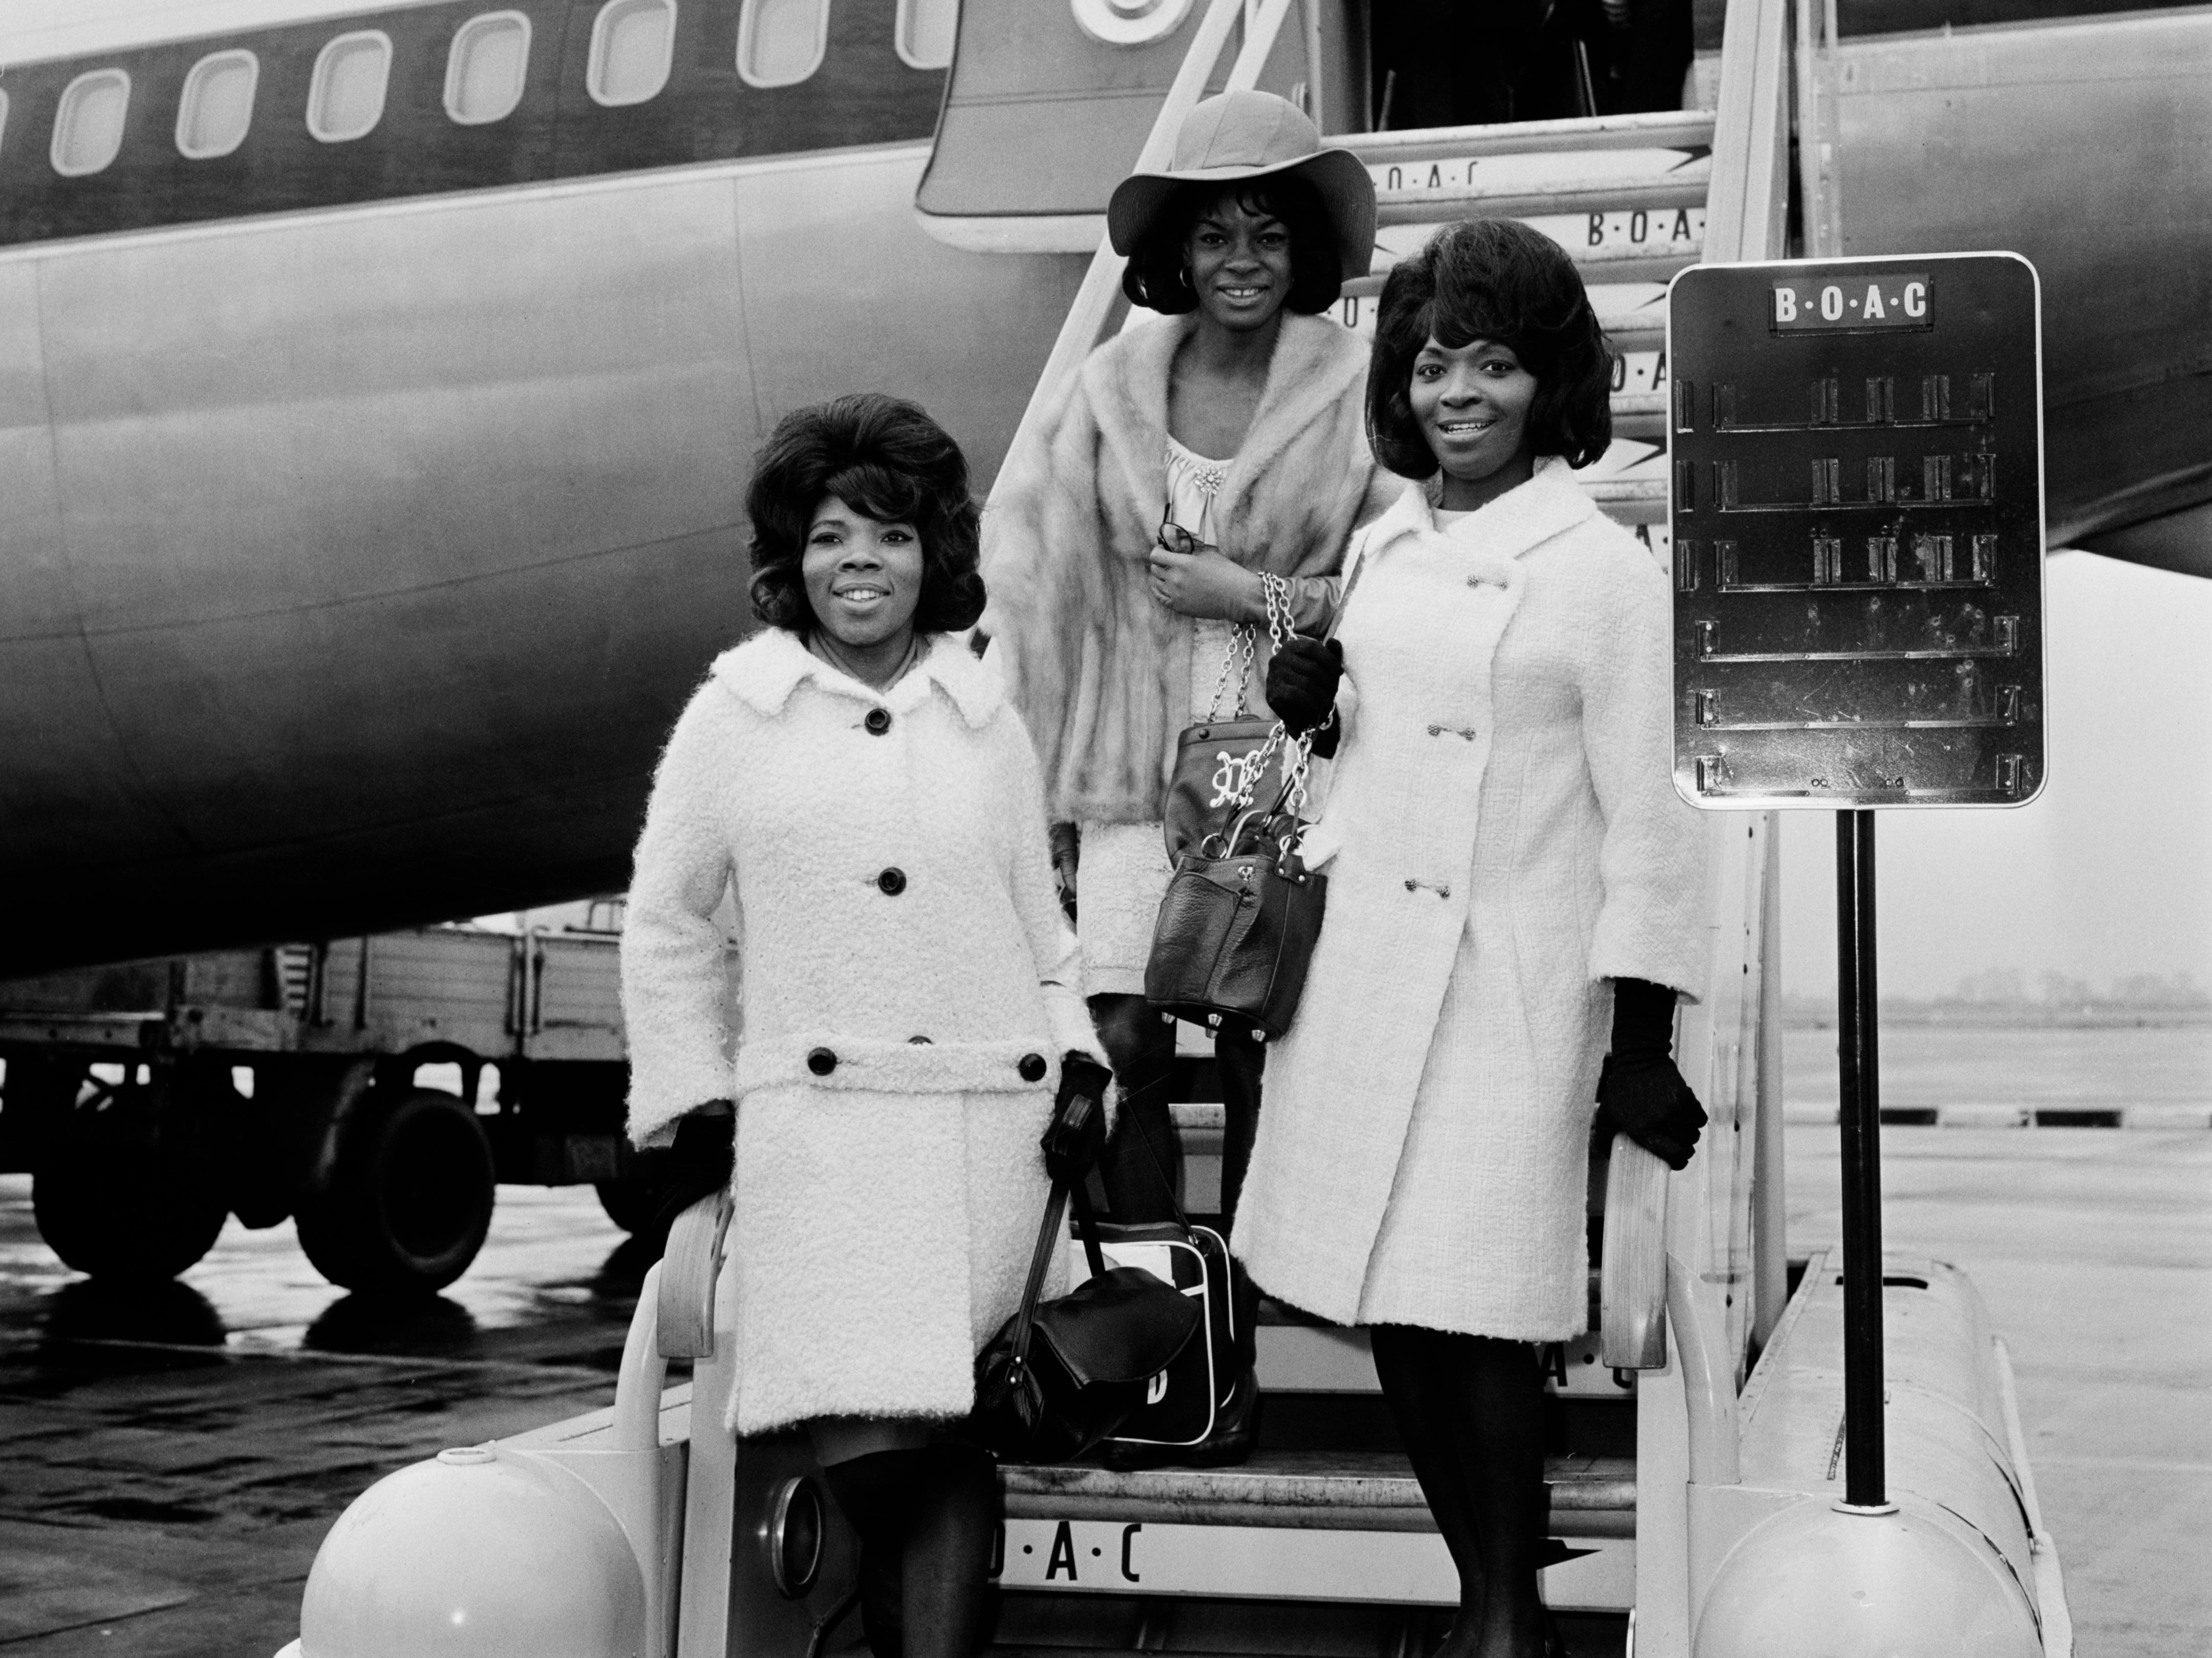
column 1099, row 670
column 885, row 1211
column 1503, row 836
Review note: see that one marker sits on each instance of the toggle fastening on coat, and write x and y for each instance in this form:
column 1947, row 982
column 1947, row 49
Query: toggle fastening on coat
column 1502, row 836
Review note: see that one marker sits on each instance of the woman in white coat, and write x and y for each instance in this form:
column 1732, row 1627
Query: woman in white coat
column 1508, row 863
column 909, row 996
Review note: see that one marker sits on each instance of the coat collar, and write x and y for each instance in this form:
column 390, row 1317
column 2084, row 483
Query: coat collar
column 1548, row 504
column 764, row 672
column 1314, row 362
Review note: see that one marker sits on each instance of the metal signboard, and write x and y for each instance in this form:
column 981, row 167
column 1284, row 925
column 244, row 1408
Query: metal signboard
column 1856, row 500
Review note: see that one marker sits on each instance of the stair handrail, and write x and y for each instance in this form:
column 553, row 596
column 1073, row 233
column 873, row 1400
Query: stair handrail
column 1746, row 217
column 1098, row 301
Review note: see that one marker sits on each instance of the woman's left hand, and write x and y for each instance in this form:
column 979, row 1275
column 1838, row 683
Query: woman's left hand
column 1206, row 584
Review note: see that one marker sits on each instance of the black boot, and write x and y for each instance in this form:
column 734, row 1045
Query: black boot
column 875, row 1492
column 1142, row 1168
column 952, row 1522
column 1471, row 1412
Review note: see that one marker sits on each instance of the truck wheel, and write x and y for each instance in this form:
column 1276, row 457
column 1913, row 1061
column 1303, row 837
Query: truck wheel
column 125, row 1219
column 409, row 1203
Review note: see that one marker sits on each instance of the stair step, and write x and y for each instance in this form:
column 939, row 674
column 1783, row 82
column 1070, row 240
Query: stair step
column 1308, row 1490
column 1630, row 501
column 1635, row 330
column 1640, row 415
column 1667, row 129
column 1667, row 193
column 1620, row 263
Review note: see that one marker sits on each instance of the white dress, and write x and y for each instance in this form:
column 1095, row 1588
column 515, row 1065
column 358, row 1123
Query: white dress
column 1124, row 870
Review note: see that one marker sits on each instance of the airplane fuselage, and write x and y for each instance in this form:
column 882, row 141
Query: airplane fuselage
column 359, row 554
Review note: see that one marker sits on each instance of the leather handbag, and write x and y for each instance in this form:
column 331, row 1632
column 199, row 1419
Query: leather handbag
column 1221, row 761
column 1208, row 786
column 1062, row 1375
column 1237, row 926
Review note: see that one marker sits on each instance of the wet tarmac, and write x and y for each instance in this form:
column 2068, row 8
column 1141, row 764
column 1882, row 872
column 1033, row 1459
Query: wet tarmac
column 169, row 1463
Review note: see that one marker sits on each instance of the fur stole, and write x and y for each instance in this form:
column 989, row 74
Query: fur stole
column 1099, row 672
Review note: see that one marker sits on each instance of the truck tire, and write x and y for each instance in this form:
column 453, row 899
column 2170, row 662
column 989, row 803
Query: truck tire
column 125, row 1219
column 409, row 1203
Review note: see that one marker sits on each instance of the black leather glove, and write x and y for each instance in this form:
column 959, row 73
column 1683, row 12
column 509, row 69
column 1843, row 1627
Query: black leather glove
column 700, row 1160
column 1640, row 1093
column 1073, row 1143
column 1302, row 679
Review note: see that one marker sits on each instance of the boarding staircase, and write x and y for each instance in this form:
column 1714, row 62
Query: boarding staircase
column 1321, row 1543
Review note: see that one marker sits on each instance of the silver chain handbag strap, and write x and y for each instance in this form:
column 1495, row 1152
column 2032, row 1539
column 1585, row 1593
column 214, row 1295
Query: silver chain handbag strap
column 1236, row 659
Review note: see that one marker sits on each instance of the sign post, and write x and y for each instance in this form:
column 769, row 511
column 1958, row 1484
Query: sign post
column 1856, row 484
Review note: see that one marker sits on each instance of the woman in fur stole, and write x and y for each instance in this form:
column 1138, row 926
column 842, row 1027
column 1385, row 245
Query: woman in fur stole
column 1197, row 460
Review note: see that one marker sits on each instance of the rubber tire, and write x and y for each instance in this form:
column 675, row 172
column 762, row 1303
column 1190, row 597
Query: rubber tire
column 410, row 1200
column 632, row 1204
column 126, row 1218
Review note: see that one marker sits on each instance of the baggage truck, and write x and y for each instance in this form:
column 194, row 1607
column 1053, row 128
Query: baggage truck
column 376, row 1090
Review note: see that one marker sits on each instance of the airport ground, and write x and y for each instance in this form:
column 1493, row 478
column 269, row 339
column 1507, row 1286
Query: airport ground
column 169, row 1464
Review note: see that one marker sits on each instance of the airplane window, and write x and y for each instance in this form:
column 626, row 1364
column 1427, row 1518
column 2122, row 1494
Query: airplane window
column 217, row 105
column 632, row 43
column 924, row 32
column 89, row 124
column 346, row 98
column 780, row 42
column 485, row 71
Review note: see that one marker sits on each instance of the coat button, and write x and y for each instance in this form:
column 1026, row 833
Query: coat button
column 891, row 882
column 878, row 722
column 1032, row 1068
column 821, row 1061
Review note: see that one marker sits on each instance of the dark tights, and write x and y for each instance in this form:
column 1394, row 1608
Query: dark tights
column 1143, row 1163
column 926, row 1520
column 1471, row 1412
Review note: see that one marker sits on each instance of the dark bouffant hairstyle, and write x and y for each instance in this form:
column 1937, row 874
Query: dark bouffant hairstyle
column 1154, row 277
column 879, row 455
column 1493, row 279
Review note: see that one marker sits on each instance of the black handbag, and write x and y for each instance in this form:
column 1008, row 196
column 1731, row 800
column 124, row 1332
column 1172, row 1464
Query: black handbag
column 1221, row 763
column 1062, row 1375
column 1237, row 926
column 1212, row 778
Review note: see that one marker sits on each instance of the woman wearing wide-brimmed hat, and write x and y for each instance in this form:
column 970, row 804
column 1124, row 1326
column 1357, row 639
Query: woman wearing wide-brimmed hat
column 1194, row 456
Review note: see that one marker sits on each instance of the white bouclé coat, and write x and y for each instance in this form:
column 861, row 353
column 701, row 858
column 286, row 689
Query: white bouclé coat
column 1502, row 836
column 885, row 1211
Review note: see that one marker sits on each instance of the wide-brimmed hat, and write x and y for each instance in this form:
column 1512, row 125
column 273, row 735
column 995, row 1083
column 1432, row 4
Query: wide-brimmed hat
column 1238, row 136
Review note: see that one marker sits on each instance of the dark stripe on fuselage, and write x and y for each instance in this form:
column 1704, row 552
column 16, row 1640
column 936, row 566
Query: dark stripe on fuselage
column 862, row 94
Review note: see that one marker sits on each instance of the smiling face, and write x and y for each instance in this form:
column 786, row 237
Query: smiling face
column 863, row 577
column 1239, row 262
column 1472, row 403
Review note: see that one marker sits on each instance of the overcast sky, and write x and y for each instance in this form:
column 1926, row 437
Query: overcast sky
column 2108, row 873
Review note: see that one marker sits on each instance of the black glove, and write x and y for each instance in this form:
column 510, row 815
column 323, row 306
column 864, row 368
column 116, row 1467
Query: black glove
column 1078, row 1134
column 1302, row 679
column 699, row 1162
column 1639, row 1092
